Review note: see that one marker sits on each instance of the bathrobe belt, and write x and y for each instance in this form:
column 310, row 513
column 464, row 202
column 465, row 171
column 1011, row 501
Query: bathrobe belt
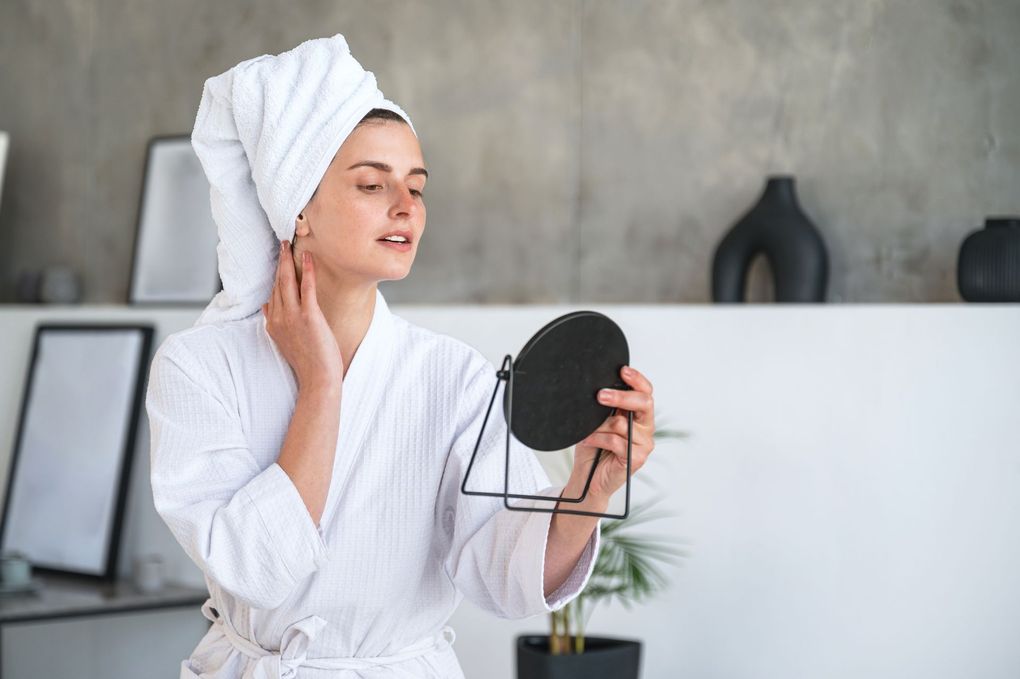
column 283, row 664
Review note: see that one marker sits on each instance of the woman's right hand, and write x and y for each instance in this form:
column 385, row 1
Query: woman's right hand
column 297, row 325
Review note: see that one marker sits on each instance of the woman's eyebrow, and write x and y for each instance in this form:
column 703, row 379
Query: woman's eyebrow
column 386, row 168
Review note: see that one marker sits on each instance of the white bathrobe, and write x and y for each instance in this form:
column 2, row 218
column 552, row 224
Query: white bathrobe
column 367, row 593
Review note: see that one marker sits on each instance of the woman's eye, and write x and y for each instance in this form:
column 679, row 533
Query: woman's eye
column 372, row 187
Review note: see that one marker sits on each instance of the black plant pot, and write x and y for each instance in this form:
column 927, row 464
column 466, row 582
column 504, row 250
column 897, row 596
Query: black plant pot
column 988, row 267
column 777, row 228
column 603, row 658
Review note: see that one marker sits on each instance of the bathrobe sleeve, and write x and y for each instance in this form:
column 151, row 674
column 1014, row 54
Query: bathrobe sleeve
column 247, row 528
column 496, row 556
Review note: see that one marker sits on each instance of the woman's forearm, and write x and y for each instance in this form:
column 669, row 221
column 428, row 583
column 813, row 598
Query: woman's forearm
column 568, row 534
column 310, row 445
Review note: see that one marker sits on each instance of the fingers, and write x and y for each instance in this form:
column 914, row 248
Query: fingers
column 617, row 430
column 612, row 436
column 615, row 424
column 617, row 445
column 276, row 297
column 639, row 402
column 288, row 278
column 307, row 279
column 638, row 399
column 288, row 293
column 635, row 379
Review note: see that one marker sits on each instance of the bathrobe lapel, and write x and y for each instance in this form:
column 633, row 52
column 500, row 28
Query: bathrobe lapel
column 363, row 387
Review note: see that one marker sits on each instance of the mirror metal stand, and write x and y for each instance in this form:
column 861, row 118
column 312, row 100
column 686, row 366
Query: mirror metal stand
column 506, row 373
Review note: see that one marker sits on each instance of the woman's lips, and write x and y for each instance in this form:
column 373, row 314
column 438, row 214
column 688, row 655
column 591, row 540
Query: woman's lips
column 402, row 247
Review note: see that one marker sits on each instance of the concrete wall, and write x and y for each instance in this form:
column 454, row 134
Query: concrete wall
column 581, row 150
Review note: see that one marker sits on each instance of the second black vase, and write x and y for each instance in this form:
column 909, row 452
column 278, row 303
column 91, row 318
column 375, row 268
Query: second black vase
column 777, row 228
column 988, row 266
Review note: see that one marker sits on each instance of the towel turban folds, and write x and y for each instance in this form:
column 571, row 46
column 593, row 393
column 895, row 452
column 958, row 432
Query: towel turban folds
column 265, row 133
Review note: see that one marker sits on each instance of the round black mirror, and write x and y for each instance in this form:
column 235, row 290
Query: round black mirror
column 557, row 376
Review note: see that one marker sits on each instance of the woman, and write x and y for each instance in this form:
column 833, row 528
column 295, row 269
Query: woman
column 309, row 458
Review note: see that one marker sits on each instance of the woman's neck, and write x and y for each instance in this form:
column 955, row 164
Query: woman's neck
column 348, row 311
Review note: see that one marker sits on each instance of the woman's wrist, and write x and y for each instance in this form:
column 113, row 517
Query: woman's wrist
column 569, row 533
column 320, row 389
column 575, row 487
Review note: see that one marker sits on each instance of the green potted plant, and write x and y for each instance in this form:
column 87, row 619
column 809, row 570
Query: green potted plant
column 629, row 569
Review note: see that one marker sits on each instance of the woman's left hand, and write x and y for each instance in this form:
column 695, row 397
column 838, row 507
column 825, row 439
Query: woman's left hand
column 611, row 436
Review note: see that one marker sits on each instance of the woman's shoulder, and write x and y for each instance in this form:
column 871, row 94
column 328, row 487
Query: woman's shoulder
column 211, row 345
column 447, row 352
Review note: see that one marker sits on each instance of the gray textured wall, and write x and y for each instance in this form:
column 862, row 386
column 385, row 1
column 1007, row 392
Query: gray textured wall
column 581, row 150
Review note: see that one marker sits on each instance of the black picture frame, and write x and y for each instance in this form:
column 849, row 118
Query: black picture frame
column 74, row 447
column 173, row 260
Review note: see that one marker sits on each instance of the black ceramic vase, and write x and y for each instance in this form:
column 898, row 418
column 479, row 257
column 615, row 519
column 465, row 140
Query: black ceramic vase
column 777, row 228
column 603, row 658
column 988, row 268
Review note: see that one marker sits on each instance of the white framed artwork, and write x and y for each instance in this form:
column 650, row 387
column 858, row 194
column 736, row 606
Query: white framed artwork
column 5, row 142
column 175, row 246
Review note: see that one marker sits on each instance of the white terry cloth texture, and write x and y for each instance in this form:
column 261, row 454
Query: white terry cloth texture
column 265, row 133
column 368, row 593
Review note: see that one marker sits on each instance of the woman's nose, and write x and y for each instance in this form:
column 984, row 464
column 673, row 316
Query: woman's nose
column 405, row 201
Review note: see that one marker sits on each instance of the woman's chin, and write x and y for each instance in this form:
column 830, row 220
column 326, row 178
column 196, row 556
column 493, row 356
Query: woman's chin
column 395, row 271
column 398, row 275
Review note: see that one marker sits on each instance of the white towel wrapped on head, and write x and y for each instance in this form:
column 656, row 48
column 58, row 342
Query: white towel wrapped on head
column 265, row 133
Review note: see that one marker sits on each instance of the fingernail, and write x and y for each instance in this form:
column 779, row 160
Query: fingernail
column 281, row 246
column 627, row 371
column 605, row 395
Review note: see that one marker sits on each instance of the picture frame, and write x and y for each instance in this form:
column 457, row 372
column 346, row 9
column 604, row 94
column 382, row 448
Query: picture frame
column 5, row 142
column 174, row 258
column 69, row 470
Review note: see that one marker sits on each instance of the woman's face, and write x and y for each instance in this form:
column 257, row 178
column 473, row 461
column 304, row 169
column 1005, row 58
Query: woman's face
column 372, row 188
